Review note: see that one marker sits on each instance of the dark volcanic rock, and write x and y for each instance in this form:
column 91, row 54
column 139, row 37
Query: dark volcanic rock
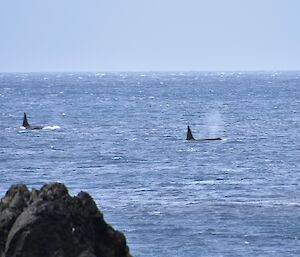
column 50, row 223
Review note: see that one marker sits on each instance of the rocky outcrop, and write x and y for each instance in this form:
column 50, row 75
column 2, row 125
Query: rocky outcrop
column 51, row 223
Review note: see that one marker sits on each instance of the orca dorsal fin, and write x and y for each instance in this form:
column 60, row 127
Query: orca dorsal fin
column 25, row 122
column 189, row 135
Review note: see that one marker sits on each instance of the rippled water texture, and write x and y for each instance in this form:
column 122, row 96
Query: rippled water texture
column 121, row 137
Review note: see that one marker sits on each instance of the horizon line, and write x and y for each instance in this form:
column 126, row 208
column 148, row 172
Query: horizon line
column 158, row 71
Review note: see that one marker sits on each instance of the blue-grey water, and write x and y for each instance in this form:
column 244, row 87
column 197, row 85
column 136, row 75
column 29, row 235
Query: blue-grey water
column 121, row 137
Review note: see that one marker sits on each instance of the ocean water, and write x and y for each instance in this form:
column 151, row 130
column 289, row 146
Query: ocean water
column 121, row 137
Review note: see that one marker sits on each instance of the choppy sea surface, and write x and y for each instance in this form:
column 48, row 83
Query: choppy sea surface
column 121, row 137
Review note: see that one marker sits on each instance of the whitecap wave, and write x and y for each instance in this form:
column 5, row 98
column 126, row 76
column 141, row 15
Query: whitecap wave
column 51, row 127
column 22, row 130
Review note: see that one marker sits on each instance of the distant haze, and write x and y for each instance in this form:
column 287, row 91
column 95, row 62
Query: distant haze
column 149, row 35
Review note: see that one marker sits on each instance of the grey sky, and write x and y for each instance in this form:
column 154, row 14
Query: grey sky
column 141, row 35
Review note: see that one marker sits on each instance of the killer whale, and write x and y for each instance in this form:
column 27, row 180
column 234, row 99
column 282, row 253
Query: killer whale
column 189, row 136
column 27, row 126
